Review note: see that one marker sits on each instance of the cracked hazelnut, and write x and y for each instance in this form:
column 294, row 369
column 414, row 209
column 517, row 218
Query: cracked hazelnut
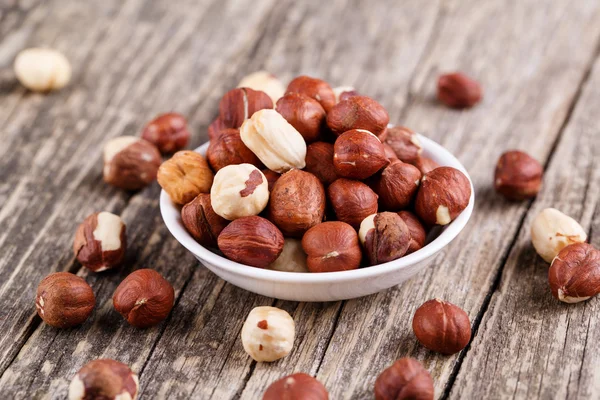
column 343, row 92
column 518, row 176
column 358, row 154
column 271, row 177
column 298, row 386
column 144, row 298
column 104, row 379
column 457, row 90
column 292, row 258
column 314, row 88
column 228, row 149
column 184, row 176
column 418, row 235
column 319, row 162
column 352, row 201
column 551, row 231
column 238, row 105
column 358, row 112
column 130, row 163
column 239, row 191
column 442, row 327
column 265, row 82
column 42, row 70
column 201, row 221
column 574, row 275
column 215, row 128
column 384, row 236
column 425, row 164
column 405, row 143
column 397, row 185
column 303, row 113
column 168, row 132
column 444, row 193
column 268, row 334
column 100, row 241
column 64, row 300
column 406, row 379
column 253, row 241
column 332, row 246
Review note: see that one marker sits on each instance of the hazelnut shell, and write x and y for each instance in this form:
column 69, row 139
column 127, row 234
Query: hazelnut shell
column 201, row 221
column 332, row 246
column 352, row 201
column 358, row 154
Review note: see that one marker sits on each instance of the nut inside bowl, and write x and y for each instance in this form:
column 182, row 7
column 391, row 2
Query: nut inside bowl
column 326, row 286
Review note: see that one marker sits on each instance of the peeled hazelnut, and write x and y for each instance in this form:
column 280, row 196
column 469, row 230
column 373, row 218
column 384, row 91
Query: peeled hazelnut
column 443, row 195
column 144, row 298
column 253, row 241
column 265, row 82
column 358, row 112
column 276, row 143
column 332, row 246
column 104, row 379
column 551, row 231
column 457, row 90
column 405, row 143
column 168, row 132
column 389, row 152
column 297, row 202
column 406, row 379
column 319, row 162
column 130, row 163
column 271, row 177
column 344, row 92
column 239, row 191
column 185, row 176
column 418, row 235
column 201, row 221
column 64, row 300
column 352, row 201
column 215, row 128
column 397, row 185
column 425, row 164
column 292, row 258
column 315, row 88
column 298, row 386
column 574, row 275
column 518, row 176
column 42, row 70
column 385, row 237
column 442, row 327
column 238, row 105
column 100, row 241
column 228, row 149
column 268, row 334
column 303, row 113
column 358, row 154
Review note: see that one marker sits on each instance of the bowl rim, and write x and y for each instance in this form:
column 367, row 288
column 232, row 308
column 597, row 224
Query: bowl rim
column 171, row 216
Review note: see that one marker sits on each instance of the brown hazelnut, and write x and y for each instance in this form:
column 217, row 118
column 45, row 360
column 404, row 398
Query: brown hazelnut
column 168, row 132
column 319, row 162
column 397, row 185
column 144, row 298
column 344, row 92
column 332, row 246
column 271, row 177
column 228, row 149
column 239, row 104
column 574, row 275
column 185, row 176
column 104, row 379
column 358, row 112
column 358, row 154
column 201, row 221
column 215, row 128
column 130, row 163
column 298, row 386
column 303, row 113
column 64, row 300
column 352, row 201
column 457, row 90
column 425, row 164
column 389, row 152
column 384, row 236
column 518, row 176
column 406, row 379
column 442, row 327
column 100, row 241
column 418, row 235
column 253, row 241
column 297, row 202
column 443, row 195
column 314, row 88
column 405, row 143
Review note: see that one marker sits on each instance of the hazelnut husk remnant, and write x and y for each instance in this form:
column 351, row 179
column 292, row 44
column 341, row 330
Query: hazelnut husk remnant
column 130, row 163
column 406, row 379
column 574, row 275
column 64, row 300
column 100, row 241
column 518, row 176
column 385, row 237
column 168, row 132
column 228, row 149
column 358, row 154
column 457, row 90
column 358, row 112
column 296, row 387
column 303, row 113
column 201, row 221
column 332, row 246
column 352, row 201
column 314, row 88
column 442, row 327
column 104, row 379
column 185, row 176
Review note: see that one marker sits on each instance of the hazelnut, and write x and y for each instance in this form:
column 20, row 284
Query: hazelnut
column 238, row 105
column 352, row 201
column 201, row 221
column 130, row 163
column 271, row 177
column 405, row 143
column 406, row 379
column 297, row 202
column 314, row 88
column 64, row 300
column 418, row 235
column 397, row 185
column 253, row 241
column 168, row 132
column 358, row 154
column 319, row 162
column 574, row 275
column 443, row 195
column 442, row 327
column 358, row 112
column 104, row 379
column 268, row 334
column 518, row 176
column 215, row 128
column 265, row 82
column 100, row 241
column 389, row 152
column 292, row 258
column 303, row 113
column 551, row 231
column 332, row 246
column 297, row 386
column 42, row 70
column 276, row 143
column 457, row 90
column 425, row 164
column 239, row 191
column 343, row 92
column 185, row 176
column 144, row 298
column 228, row 149
column 385, row 237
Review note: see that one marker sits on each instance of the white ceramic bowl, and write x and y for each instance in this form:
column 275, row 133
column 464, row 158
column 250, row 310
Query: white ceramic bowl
column 327, row 286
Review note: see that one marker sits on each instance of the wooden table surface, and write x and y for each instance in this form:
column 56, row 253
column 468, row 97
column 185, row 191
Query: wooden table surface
column 538, row 62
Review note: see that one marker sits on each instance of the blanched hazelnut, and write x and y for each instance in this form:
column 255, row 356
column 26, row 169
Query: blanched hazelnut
column 397, row 185
column 292, row 258
column 344, row 92
column 265, row 82
column 130, row 163
column 42, row 70
column 358, row 112
column 406, row 379
column 100, row 241
column 457, row 90
column 319, row 162
column 184, row 176
column 384, row 236
column 312, row 87
column 574, row 275
column 418, row 235
column 228, row 149
column 168, row 132
column 298, row 386
column 238, row 105
column 201, row 221
column 551, row 231
column 518, row 176
column 332, row 246
column 104, row 379
column 64, row 300
column 239, row 191
column 352, row 201
column 405, row 143
column 442, row 327
column 268, row 334
column 358, row 154
column 303, row 113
